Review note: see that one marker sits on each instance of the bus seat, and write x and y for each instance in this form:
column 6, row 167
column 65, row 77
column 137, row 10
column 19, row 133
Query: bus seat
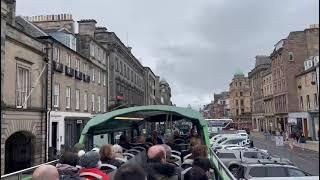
column 176, row 158
column 133, row 151
column 128, row 155
column 184, row 172
column 179, row 141
column 139, row 148
column 187, row 163
column 176, row 152
column 188, row 156
column 122, row 160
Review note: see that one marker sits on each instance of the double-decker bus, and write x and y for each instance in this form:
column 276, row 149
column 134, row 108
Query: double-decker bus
column 215, row 126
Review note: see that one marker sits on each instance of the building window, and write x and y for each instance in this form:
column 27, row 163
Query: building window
column 85, row 100
column 92, row 49
column 131, row 76
column 125, row 71
column 56, row 54
column 56, row 95
column 68, row 97
column 99, row 76
column 239, row 83
column 237, row 102
column 237, row 112
column 93, row 74
column 315, row 97
column 308, row 101
column 104, row 79
column 92, row 102
column 117, row 64
column 85, row 68
column 291, row 58
column 104, row 105
column 99, row 104
column 22, row 87
column 242, row 111
column 241, row 102
column 121, row 67
column 77, row 64
column 77, row 99
column 68, row 60
column 241, row 94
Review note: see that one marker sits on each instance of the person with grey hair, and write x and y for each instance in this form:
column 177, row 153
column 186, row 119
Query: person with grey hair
column 45, row 172
column 90, row 163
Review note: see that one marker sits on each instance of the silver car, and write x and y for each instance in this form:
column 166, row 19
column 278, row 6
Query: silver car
column 234, row 158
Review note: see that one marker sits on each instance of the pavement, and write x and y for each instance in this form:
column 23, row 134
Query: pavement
column 306, row 158
column 309, row 145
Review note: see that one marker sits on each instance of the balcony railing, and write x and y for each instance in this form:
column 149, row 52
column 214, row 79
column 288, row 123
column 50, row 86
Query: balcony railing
column 86, row 78
column 57, row 66
column 69, row 71
column 79, row 75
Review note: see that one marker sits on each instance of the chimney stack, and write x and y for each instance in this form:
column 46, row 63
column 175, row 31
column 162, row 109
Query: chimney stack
column 87, row 27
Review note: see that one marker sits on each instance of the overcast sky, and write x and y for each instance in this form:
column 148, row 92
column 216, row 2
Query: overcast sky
column 196, row 45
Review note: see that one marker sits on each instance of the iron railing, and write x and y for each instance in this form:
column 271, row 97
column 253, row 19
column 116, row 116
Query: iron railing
column 25, row 174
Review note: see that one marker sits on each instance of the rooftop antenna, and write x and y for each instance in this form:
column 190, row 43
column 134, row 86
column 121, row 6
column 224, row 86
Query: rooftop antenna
column 127, row 39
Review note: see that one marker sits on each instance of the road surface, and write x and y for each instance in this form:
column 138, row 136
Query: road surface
column 307, row 160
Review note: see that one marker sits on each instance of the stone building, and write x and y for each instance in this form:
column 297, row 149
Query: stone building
column 24, row 88
column 221, row 107
column 307, row 119
column 255, row 76
column 79, row 84
column 150, row 80
column 240, row 101
column 165, row 93
column 125, row 72
column 268, row 104
column 288, row 59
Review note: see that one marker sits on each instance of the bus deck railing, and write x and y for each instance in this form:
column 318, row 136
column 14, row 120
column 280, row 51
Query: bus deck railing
column 222, row 170
column 24, row 174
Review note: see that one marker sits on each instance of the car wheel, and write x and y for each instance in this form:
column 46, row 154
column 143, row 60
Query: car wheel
column 235, row 170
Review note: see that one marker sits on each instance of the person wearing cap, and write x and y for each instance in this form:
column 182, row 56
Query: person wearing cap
column 90, row 163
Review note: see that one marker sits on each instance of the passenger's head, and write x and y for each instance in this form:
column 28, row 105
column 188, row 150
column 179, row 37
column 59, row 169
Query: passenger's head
column 203, row 163
column 90, row 159
column 69, row 158
column 176, row 133
column 117, row 151
column 154, row 134
column 77, row 147
column 81, row 153
column 168, row 150
column 45, row 172
column 106, row 152
column 141, row 139
column 200, row 151
column 123, row 138
column 195, row 141
column 196, row 173
column 157, row 153
column 130, row 172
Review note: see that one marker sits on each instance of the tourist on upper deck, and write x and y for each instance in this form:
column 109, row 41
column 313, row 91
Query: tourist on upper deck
column 157, row 167
column 67, row 166
column 124, row 142
column 107, row 156
column 117, row 151
column 130, row 172
column 155, row 139
column 90, row 163
column 204, row 164
column 194, row 141
column 45, row 172
column 196, row 173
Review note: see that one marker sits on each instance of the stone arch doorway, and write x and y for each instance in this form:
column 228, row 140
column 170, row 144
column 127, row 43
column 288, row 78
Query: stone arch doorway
column 19, row 151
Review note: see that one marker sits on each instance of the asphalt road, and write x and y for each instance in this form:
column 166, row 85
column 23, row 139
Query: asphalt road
column 307, row 160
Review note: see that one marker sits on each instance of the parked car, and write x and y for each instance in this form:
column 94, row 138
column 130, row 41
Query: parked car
column 263, row 170
column 230, row 140
column 234, row 158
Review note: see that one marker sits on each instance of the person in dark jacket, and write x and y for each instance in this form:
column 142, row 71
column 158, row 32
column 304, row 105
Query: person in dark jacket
column 130, row 172
column 155, row 139
column 157, row 167
column 196, row 173
column 67, row 166
column 107, row 156
column 124, row 143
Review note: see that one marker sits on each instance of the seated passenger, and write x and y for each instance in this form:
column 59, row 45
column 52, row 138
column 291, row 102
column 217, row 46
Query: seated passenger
column 45, row 172
column 107, row 156
column 199, row 151
column 117, row 151
column 176, row 134
column 194, row 141
column 196, row 173
column 157, row 168
column 130, row 172
column 204, row 164
column 90, row 163
column 124, row 142
column 67, row 166
column 155, row 139
column 168, row 153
